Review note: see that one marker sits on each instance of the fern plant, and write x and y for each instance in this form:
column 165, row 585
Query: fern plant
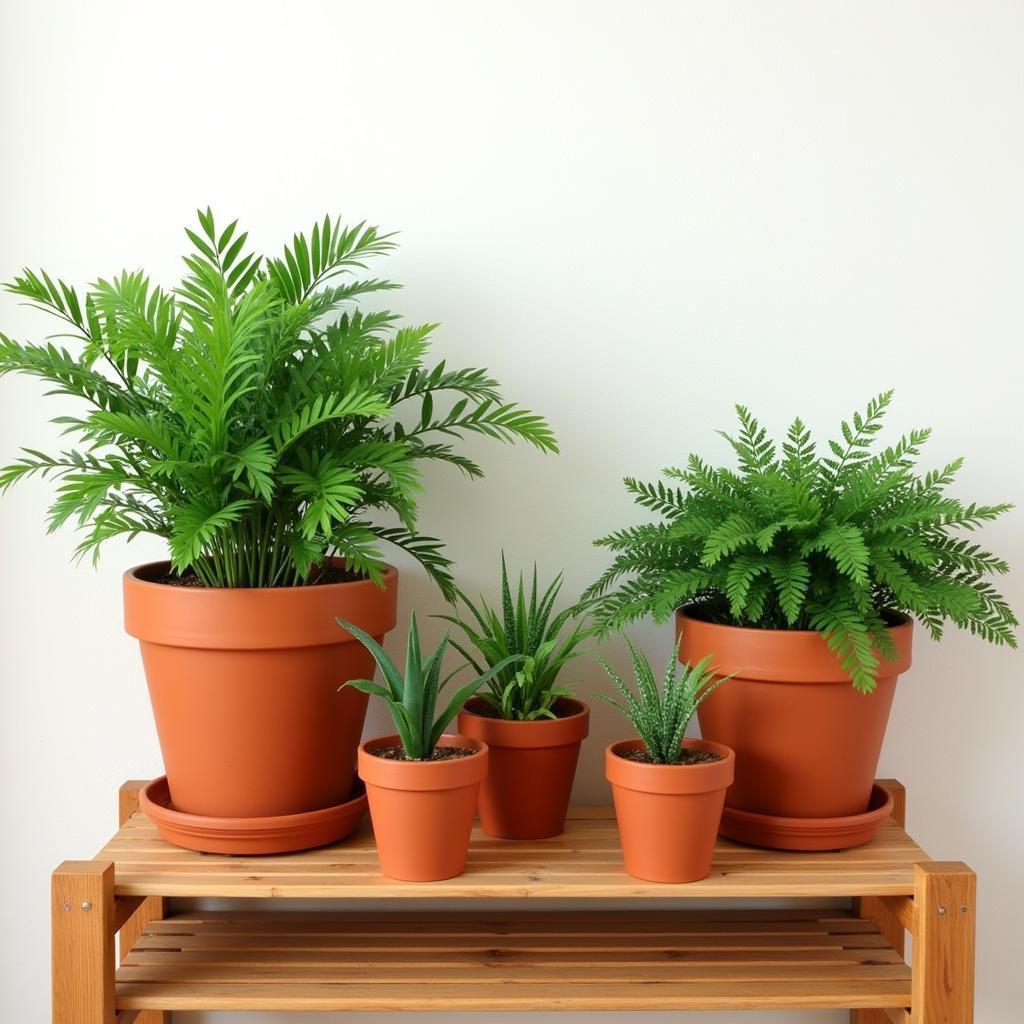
column 529, row 632
column 660, row 716
column 252, row 416
column 412, row 696
column 794, row 540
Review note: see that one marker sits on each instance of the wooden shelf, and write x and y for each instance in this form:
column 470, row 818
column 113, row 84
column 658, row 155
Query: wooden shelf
column 490, row 940
column 587, row 961
column 584, row 863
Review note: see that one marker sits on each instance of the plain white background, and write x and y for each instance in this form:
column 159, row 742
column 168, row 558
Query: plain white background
column 635, row 215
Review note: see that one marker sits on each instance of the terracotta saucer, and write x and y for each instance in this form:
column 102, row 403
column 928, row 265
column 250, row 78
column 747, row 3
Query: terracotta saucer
column 283, row 834
column 778, row 833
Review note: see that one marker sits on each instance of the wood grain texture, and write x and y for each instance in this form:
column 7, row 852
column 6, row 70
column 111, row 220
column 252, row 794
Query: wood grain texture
column 943, row 964
column 142, row 912
column 880, row 909
column 585, row 862
column 479, row 961
column 82, row 943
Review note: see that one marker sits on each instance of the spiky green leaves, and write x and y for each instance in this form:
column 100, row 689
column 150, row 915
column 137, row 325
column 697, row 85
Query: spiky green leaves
column 661, row 715
column 248, row 419
column 412, row 696
column 798, row 541
column 528, row 631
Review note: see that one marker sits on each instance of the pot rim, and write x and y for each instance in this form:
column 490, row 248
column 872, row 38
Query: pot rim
column 684, row 612
column 670, row 779
column 255, row 618
column 422, row 775
column 540, row 732
column 164, row 565
column 779, row 655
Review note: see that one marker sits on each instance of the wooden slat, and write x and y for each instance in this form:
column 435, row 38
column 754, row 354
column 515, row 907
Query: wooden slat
column 133, row 913
column 590, row 961
column 585, row 862
column 891, row 914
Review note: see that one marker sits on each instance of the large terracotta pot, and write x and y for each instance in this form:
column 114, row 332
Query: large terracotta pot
column 807, row 743
column 245, row 689
column 531, row 766
column 422, row 811
column 668, row 814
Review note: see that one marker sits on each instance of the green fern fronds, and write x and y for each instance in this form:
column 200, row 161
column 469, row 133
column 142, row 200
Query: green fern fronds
column 250, row 416
column 798, row 540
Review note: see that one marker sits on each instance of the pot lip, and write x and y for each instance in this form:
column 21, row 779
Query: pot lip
column 670, row 778
column 582, row 708
column 685, row 612
column 422, row 775
column 797, row 656
column 255, row 618
column 132, row 577
column 536, row 734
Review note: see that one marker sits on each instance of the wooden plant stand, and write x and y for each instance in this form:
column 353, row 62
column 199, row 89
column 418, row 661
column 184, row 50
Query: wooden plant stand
column 497, row 953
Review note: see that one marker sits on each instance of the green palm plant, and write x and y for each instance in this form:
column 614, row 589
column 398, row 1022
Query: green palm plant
column 528, row 633
column 252, row 416
column 660, row 716
column 794, row 540
column 412, row 696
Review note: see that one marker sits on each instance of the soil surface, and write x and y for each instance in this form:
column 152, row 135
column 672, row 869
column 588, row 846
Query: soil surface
column 685, row 757
column 439, row 754
column 328, row 573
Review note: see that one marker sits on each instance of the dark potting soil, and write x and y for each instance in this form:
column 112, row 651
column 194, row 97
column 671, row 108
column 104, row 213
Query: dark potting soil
column 439, row 754
column 685, row 757
column 328, row 573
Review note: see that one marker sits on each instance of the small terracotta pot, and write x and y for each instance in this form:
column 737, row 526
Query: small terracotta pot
column 422, row 811
column 244, row 686
column 668, row 814
column 531, row 768
column 807, row 743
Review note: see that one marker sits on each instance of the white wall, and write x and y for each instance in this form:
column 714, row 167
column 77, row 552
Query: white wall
column 635, row 215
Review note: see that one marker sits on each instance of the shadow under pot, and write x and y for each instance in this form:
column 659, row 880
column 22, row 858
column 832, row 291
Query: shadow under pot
column 531, row 767
column 244, row 686
column 422, row 811
column 668, row 814
column 807, row 743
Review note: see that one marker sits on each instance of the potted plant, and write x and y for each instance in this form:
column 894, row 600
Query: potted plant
column 799, row 573
column 668, row 791
column 532, row 726
column 259, row 423
column 422, row 783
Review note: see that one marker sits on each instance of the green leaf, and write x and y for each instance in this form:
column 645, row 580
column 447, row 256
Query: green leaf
column 252, row 416
column 830, row 542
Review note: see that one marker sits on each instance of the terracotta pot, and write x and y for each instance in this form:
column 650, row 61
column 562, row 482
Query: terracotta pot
column 531, row 766
column 668, row 814
column 422, row 811
column 244, row 685
column 807, row 743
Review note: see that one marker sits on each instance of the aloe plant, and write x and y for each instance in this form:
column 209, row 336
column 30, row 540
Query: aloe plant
column 412, row 696
column 660, row 716
column 525, row 689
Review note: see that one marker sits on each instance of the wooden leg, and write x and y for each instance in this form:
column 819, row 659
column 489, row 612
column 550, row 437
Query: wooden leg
column 943, row 967
column 82, row 954
column 151, row 909
column 876, row 910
